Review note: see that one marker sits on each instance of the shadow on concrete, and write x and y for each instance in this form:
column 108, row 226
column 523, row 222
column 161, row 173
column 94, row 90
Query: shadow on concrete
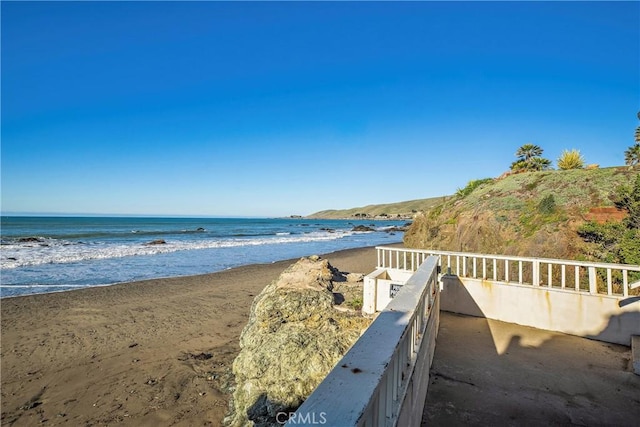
column 487, row 372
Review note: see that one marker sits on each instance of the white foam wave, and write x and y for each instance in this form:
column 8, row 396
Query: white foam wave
column 41, row 286
column 17, row 255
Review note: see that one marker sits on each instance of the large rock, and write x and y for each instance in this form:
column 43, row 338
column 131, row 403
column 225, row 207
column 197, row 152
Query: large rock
column 294, row 337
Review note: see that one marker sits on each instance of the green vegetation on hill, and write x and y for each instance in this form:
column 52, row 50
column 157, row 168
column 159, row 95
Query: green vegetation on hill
column 389, row 210
column 617, row 242
column 528, row 214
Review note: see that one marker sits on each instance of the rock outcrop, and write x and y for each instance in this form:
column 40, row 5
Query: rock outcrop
column 362, row 228
column 156, row 242
column 294, row 337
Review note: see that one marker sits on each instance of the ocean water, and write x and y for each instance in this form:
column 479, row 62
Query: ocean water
column 50, row 254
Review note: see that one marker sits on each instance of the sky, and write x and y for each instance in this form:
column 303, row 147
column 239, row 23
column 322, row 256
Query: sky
column 288, row 108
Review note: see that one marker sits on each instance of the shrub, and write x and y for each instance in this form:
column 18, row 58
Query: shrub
column 355, row 303
column 618, row 242
column 628, row 198
column 547, row 205
column 472, row 185
column 570, row 160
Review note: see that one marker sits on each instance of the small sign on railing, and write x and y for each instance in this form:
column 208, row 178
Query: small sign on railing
column 393, row 289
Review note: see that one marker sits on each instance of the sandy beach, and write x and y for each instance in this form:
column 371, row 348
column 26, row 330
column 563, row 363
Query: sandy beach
column 155, row 352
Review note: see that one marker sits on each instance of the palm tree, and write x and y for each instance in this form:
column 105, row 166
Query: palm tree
column 528, row 151
column 632, row 155
column 539, row 164
column 529, row 159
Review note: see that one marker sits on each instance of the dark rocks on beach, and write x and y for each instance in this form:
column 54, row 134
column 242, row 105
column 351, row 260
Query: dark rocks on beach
column 157, row 242
column 328, row 230
column 362, row 228
column 200, row 229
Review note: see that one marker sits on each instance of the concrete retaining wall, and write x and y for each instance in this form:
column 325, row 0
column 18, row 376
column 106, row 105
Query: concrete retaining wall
column 378, row 288
column 601, row 317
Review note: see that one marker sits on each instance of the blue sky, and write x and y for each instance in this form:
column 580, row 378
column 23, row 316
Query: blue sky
column 272, row 109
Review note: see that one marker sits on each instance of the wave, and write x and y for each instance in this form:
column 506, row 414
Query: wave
column 101, row 235
column 57, row 252
column 74, row 238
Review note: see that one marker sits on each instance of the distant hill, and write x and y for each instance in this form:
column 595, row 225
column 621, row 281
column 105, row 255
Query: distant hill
column 390, row 210
column 527, row 214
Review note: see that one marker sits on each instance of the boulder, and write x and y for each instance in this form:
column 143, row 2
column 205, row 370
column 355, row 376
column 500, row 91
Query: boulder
column 355, row 277
column 294, row 337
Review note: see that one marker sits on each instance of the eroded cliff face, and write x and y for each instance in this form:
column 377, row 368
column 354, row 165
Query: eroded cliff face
column 483, row 233
column 529, row 214
column 294, row 337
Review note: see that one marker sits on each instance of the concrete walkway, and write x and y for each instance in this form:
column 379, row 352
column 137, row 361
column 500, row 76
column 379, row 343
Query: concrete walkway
column 490, row 373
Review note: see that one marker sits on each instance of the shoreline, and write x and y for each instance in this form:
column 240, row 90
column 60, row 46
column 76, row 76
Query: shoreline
column 78, row 288
column 150, row 352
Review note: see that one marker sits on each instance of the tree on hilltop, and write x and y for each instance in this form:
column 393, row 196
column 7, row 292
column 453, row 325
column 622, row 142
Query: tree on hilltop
column 632, row 154
column 529, row 151
column 529, row 159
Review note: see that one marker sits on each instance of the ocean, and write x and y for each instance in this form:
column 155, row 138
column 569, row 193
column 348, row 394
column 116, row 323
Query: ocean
column 51, row 254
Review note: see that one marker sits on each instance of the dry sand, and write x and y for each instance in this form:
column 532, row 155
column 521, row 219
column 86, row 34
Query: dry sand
column 155, row 352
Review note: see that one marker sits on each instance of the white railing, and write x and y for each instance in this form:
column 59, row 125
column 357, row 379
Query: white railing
column 574, row 276
column 370, row 384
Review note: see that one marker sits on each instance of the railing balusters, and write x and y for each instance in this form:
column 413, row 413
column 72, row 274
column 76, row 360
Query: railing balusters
column 593, row 288
column 520, row 272
column 535, row 272
column 595, row 272
column 383, row 402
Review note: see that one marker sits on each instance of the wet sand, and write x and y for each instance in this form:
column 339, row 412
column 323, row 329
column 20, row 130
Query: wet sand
column 155, row 352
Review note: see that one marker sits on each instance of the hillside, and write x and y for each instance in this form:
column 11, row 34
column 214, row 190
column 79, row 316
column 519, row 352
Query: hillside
column 389, row 210
column 532, row 214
